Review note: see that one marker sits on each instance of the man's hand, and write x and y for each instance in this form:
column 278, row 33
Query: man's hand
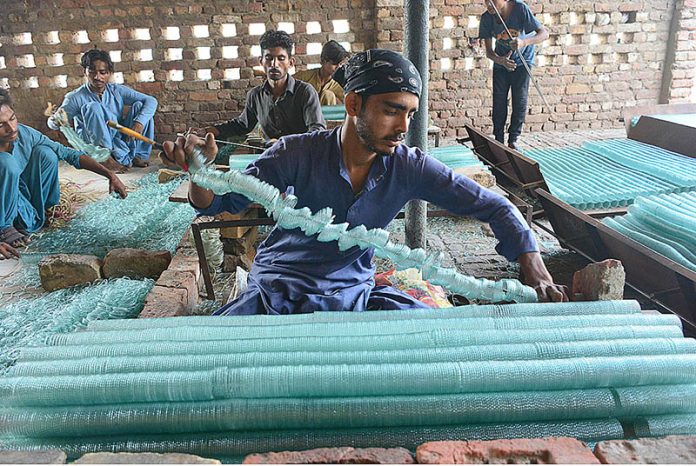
column 507, row 62
column 518, row 44
column 138, row 127
column 117, row 186
column 8, row 252
column 180, row 152
column 534, row 273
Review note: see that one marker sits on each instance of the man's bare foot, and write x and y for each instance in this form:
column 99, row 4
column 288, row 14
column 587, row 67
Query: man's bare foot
column 114, row 166
column 140, row 163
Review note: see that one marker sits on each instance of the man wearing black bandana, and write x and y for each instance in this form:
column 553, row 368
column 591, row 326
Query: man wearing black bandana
column 363, row 172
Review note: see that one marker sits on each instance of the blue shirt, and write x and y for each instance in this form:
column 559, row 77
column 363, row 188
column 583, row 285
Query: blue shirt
column 114, row 98
column 292, row 267
column 522, row 24
column 29, row 138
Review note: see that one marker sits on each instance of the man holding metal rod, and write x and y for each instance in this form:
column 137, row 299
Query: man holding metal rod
column 516, row 32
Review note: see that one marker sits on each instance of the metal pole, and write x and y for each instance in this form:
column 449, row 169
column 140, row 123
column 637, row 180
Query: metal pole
column 416, row 46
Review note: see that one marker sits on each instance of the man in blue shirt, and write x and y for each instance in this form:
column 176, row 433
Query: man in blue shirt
column 29, row 178
column 364, row 173
column 97, row 101
column 509, row 73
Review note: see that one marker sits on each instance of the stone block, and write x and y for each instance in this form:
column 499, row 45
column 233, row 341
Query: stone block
column 236, row 232
column 33, row 457
column 675, row 449
column 135, row 263
column 553, row 450
column 341, row 455
column 244, row 261
column 601, row 281
column 482, row 177
column 182, row 280
column 165, row 302
column 65, row 270
column 241, row 245
column 143, row 458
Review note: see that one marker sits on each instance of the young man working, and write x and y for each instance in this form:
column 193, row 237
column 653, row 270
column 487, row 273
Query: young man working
column 365, row 174
column 281, row 105
column 332, row 56
column 29, row 178
column 97, row 101
column 509, row 74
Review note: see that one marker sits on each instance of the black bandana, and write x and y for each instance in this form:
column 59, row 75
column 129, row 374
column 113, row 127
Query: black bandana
column 378, row 71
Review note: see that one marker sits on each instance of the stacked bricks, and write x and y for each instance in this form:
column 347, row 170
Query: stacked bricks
column 238, row 242
column 197, row 59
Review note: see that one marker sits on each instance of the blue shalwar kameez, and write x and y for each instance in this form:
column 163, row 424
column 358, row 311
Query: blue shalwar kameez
column 90, row 113
column 294, row 273
column 29, row 179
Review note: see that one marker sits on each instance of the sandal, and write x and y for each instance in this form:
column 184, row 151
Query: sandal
column 11, row 236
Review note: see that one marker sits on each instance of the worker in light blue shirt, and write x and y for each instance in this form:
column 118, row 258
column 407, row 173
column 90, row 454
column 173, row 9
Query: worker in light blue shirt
column 364, row 173
column 29, row 178
column 97, row 101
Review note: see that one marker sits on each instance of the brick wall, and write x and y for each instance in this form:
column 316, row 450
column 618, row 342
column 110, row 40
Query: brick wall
column 197, row 57
column 682, row 85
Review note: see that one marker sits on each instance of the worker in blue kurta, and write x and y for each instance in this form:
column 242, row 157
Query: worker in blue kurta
column 29, row 178
column 97, row 101
column 366, row 176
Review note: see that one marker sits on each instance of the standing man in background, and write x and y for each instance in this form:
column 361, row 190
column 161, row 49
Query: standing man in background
column 509, row 74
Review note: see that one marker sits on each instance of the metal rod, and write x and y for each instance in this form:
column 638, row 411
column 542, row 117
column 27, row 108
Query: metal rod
column 218, row 141
column 524, row 62
column 133, row 134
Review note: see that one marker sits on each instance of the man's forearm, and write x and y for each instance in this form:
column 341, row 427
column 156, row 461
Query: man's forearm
column 88, row 163
column 200, row 198
column 532, row 267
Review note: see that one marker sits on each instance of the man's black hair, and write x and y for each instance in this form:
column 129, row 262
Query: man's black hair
column 90, row 56
column 333, row 52
column 5, row 98
column 272, row 38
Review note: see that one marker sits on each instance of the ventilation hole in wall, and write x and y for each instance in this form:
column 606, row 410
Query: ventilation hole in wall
column 255, row 50
column 232, row 74
column 176, row 75
column 445, row 64
column 23, row 38
column 56, row 59
column 546, row 19
column 144, row 55
column 60, row 81
column 573, row 18
column 2, row 63
column 346, row 45
column 228, row 30
column 140, row 34
column 340, row 26
column 230, row 51
column 204, row 75
column 541, row 60
column 473, row 22
column 110, row 35
column 313, row 27
column 81, row 37
column 311, row 66
column 287, row 27
column 115, row 56
column 446, row 43
column 449, row 22
column 171, row 33
column 200, row 31
column 469, row 63
column 202, row 53
column 314, row 48
column 174, row 54
column 258, row 68
column 52, row 37
column 595, row 39
column 629, row 17
column 4, row 83
column 292, row 70
column 31, row 83
column 146, row 76
column 117, row 77
column 567, row 39
column 256, row 29
column 26, row 61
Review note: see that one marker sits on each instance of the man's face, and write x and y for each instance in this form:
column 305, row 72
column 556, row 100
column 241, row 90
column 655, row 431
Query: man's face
column 8, row 125
column 276, row 63
column 328, row 67
column 383, row 120
column 499, row 4
column 98, row 75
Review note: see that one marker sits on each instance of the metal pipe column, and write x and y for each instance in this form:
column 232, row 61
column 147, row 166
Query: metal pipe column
column 416, row 46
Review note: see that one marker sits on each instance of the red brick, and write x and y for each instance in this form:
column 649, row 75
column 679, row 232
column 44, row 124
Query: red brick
column 601, row 281
column 341, row 455
column 676, row 449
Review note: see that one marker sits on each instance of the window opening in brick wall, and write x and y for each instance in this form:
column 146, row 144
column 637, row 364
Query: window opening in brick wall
column 313, row 27
column 449, row 22
column 629, row 17
column 140, row 34
column 146, row 76
column 144, row 55
column 110, row 35
column 541, row 60
column 176, row 75
column 174, row 54
column 446, row 43
column 204, row 75
column 573, row 18
column 469, row 63
column 56, row 59
column 595, row 39
column 202, row 53
column 311, row 66
column 60, row 81
column 2, row 63
column 258, row 68
column 81, row 37
column 52, row 37
column 292, row 70
column 23, row 38
column 256, row 51
column 171, row 33
column 546, row 19
column 4, row 83
column 118, row 77
column 340, row 26
column 26, row 61
column 473, row 22
column 31, row 83
column 115, row 56
column 228, row 30
column 314, row 48
column 200, row 31
column 445, row 64
column 230, row 51
column 256, row 29
column 287, row 27
column 232, row 74
column 346, row 45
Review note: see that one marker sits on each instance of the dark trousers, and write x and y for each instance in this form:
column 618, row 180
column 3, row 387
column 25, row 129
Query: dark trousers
column 503, row 82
